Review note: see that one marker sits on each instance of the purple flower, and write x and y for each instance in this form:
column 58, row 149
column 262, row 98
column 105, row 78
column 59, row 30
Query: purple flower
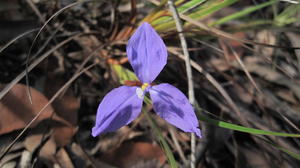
column 147, row 55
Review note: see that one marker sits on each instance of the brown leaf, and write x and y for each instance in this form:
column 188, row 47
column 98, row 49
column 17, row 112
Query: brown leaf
column 220, row 64
column 63, row 134
column 266, row 37
column 111, row 142
column 131, row 153
column 294, row 39
column 47, row 150
column 16, row 111
column 229, row 45
column 65, row 107
column 9, row 158
column 287, row 95
column 254, row 158
column 64, row 159
column 33, row 141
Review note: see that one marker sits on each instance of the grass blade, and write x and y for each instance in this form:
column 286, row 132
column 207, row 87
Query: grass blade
column 243, row 12
column 123, row 73
column 166, row 23
column 239, row 128
column 290, row 153
column 162, row 141
column 189, row 5
column 288, row 16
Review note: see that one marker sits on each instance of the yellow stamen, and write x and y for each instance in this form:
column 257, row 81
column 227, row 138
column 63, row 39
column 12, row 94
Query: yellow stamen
column 144, row 86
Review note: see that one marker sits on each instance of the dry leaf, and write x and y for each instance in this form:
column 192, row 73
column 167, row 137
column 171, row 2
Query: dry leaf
column 287, row 96
column 266, row 37
column 130, row 153
column 220, row 64
column 11, row 164
column 63, row 135
column 110, row 142
column 47, row 150
column 253, row 65
column 229, row 45
column 64, row 159
column 65, row 107
column 25, row 160
column 9, row 158
column 16, row 111
column 294, row 39
column 254, row 158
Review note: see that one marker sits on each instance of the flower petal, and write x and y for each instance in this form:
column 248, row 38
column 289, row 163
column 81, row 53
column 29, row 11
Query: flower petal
column 118, row 108
column 173, row 106
column 147, row 53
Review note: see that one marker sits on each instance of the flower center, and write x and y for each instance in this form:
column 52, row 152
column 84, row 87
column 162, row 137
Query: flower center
column 144, row 86
column 140, row 90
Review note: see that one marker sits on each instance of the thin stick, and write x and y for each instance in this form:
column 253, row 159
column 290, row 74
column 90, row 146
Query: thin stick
column 245, row 69
column 214, row 82
column 17, row 38
column 188, row 72
column 177, row 145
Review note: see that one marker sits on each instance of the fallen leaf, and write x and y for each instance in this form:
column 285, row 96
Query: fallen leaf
column 254, row 65
column 16, row 111
column 253, row 158
column 64, row 159
column 229, row 45
column 25, row 160
column 220, row 64
column 65, row 107
column 9, row 158
column 294, row 39
column 131, row 153
column 46, row 149
column 266, row 37
column 11, row 164
column 63, row 134
column 287, row 96
column 110, row 142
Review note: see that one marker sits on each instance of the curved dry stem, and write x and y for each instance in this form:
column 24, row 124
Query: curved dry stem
column 89, row 57
column 45, row 43
column 188, row 72
column 34, row 64
column 38, row 34
column 17, row 38
column 240, row 62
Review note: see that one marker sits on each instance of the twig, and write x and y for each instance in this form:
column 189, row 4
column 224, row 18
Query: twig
column 177, row 145
column 215, row 83
column 188, row 72
column 242, row 65
column 290, row 1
